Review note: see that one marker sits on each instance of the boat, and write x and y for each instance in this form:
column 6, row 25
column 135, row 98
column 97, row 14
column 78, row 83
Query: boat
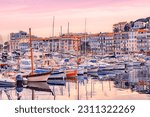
column 80, row 71
column 35, row 77
column 7, row 82
column 93, row 69
column 83, row 67
column 71, row 73
column 3, row 66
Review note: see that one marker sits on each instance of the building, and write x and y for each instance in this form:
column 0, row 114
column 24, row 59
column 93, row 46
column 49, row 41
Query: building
column 15, row 39
column 120, row 43
column 66, row 43
column 109, row 43
column 139, row 25
column 1, row 48
column 148, row 24
column 71, row 43
column 132, row 42
column 101, row 44
column 143, row 40
column 91, row 44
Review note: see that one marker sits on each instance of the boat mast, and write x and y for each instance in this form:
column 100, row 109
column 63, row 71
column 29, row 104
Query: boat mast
column 53, row 26
column 53, row 33
column 31, row 52
column 60, row 31
column 68, row 28
column 85, row 35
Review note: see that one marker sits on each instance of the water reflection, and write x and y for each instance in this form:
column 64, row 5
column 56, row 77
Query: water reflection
column 133, row 83
column 136, row 79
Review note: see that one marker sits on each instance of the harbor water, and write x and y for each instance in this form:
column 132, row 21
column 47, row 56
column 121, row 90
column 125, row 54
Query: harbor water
column 130, row 84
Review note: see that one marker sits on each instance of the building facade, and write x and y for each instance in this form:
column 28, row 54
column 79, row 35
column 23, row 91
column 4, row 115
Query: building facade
column 132, row 42
column 20, row 41
column 143, row 40
column 139, row 24
column 120, row 43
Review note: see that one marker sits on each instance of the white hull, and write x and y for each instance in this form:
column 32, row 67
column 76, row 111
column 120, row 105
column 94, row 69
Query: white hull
column 93, row 70
column 82, row 67
column 119, row 66
column 80, row 71
column 37, row 77
column 147, row 63
column 7, row 83
column 134, row 64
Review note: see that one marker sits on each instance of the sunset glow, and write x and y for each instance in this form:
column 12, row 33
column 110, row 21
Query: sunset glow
column 18, row 15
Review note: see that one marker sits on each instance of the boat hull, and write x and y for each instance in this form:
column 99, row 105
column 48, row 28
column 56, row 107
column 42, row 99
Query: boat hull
column 5, row 83
column 71, row 73
column 81, row 71
column 93, row 70
column 37, row 77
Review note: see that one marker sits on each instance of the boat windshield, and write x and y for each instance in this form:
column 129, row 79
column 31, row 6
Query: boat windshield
column 93, row 61
column 25, row 62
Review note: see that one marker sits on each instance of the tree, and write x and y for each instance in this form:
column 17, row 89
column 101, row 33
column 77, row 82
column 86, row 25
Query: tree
column 131, row 24
column 127, row 28
column 1, row 40
column 115, row 30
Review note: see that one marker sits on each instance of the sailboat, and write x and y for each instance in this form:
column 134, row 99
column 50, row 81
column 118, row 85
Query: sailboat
column 35, row 77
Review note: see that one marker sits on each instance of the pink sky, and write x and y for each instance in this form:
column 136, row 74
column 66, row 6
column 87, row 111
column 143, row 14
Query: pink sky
column 18, row 15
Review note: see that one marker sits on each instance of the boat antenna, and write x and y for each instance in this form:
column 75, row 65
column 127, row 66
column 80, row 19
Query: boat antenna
column 53, row 33
column 32, row 67
column 60, row 30
column 85, row 35
column 53, row 26
column 68, row 28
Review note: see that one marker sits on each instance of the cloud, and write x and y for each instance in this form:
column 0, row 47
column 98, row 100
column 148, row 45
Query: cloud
column 37, row 6
column 101, row 14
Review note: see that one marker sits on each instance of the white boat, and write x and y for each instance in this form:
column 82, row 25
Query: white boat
column 119, row 66
column 147, row 61
column 83, row 67
column 105, row 66
column 80, row 71
column 39, row 77
column 3, row 66
column 7, row 82
column 25, row 64
column 133, row 63
column 93, row 69
column 102, row 77
column 35, row 77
